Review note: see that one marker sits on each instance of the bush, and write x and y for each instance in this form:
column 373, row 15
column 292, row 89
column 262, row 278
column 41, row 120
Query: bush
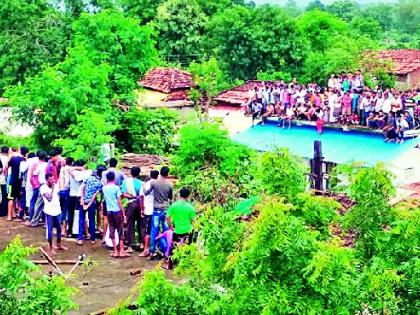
column 25, row 289
column 148, row 131
column 282, row 174
column 216, row 168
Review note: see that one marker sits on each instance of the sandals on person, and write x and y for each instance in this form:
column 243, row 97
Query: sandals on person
column 144, row 254
column 115, row 255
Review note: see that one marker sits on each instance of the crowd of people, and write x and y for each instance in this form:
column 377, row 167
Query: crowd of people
column 345, row 100
column 48, row 190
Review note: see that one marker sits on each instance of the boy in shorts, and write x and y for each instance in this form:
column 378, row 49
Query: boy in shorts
column 115, row 213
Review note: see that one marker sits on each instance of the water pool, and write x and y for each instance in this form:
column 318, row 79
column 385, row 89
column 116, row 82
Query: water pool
column 337, row 146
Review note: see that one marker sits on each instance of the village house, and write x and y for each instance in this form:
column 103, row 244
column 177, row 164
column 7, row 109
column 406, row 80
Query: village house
column 405, row 66
column 165, row 87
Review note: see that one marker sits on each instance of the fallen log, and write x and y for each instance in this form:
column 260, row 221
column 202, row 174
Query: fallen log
column 58, row 262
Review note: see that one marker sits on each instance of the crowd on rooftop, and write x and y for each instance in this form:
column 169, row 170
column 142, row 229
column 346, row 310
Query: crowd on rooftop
column 346, row 100
column 51, row 191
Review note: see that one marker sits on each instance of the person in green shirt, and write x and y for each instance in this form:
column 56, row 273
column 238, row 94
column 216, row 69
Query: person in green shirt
column 180, row 216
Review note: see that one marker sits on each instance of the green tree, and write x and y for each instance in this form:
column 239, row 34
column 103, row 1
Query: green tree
column 84, row 138
column 366, row 26
column 180, row 25
column 408, row 15
column 383, row 13
column 245, row 41
column 32, row 36
column 209, row 77
column 344, row 9
column 145, row 10
column 148, row 130
column 108, row 54
column 320, row 28
column 315, row 5
column 109, row 37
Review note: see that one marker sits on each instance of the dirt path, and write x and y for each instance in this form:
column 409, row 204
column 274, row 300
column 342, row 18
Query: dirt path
column 100, row 286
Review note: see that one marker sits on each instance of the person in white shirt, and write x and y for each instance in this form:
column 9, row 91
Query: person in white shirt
column 78, row 174
column 37, row 180
column 402, row 125
column 146, row 208
column 52, row 210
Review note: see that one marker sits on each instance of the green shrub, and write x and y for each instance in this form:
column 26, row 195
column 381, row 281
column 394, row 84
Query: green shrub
column 317, row 212
column 282, row 174
column 25, row 289
column 148, row 131
column 217, row 169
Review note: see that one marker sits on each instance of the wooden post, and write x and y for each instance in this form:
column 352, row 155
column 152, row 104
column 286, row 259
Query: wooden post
column 317, row 164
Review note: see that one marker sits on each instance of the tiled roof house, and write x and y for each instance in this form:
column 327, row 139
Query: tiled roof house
column 239, row 95
column 406, row 65
column 166, row 87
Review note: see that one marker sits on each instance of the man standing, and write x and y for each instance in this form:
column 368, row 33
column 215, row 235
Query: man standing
column 146, row 208
column 163, row 193
column 116, row 215
column 77, row 175
column 180, row 218
column 4, row 158
column 64, row 185
column 131, row 191
column 49, row 192
column 90, row 189
column 37, row 180
column 119, row 176
column 15, row 183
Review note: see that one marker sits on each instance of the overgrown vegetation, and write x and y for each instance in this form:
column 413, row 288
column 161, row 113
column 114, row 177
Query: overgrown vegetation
column 285, row 257
column 25, row 290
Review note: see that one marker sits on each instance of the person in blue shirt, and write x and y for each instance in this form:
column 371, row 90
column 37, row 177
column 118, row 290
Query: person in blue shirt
column 131, row 192
column 116, row 215
column 90, row 188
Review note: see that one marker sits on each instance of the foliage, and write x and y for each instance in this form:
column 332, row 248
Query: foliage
column 371, row 188
column 282, row 174
column 366, row 26
column 274, row 76
column 265, row 44
column 321, row 28
column 83, row 139
column 180, row 24
column 148, row 130
column 32, row 36
column 51, row 100
column 144, row 10
column 25, row 289
column 209, row 76
column 17, row 141
column 110, row 38
column 109, row 52
column 223, row 165
column 344, row 9
column 317, row 212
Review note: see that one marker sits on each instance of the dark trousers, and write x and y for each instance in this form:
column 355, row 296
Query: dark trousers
column 73, row 204
column 53, row 222
column 91, row 211
column 64, row 204
column 133, row 223
column 4, row 200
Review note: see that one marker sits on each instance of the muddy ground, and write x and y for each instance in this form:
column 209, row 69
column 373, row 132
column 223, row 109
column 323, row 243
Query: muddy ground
column 101, row 285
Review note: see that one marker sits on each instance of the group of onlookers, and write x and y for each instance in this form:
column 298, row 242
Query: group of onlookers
column 61, row 193
column 344, row 100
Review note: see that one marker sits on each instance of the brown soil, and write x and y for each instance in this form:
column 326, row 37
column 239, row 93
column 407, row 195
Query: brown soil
column 101, row 285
